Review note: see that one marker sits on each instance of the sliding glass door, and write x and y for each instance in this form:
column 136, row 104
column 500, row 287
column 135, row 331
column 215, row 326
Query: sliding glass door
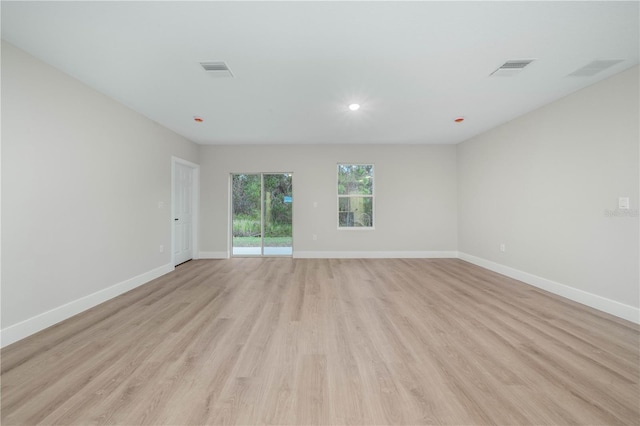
column 262, row 214
column 277, row 214
column 246, row 193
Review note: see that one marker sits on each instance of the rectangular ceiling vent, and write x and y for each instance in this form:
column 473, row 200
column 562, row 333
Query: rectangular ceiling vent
column 594, row 67
column 216, row 68
column 511, row 68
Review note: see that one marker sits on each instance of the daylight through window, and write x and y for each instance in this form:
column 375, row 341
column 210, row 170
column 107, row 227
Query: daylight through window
column 355, row 196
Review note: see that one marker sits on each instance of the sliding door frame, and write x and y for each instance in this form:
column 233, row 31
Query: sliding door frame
column 262, row 211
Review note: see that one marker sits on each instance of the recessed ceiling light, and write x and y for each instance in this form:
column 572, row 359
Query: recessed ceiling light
column 354, row 107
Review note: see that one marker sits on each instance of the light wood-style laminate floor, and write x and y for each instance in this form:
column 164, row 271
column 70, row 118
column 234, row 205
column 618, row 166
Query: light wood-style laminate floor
column 296, row 342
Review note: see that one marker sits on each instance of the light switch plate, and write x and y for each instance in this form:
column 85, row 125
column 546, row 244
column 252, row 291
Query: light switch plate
column 623, row 203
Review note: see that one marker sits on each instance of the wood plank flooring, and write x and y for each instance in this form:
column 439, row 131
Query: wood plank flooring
column 316, row 341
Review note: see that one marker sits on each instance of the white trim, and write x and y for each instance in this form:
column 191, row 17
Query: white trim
column 229, row 215
column 213, row 255
column 230, row 252
column 375, row 254
column 372, row 196
column 30, row 326
column 39, row 322
column 195, row 208
column 600, row 303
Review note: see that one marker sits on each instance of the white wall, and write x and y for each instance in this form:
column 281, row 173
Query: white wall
column 542, row 184
column 415, row 213
column 82, row 176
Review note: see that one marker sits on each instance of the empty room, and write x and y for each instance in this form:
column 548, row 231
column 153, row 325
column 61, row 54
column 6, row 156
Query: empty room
column 320, row 213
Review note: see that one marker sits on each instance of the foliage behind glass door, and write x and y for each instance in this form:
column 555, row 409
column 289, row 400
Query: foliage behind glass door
column 262, row 214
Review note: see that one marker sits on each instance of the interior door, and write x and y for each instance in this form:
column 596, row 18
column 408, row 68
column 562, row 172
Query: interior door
column 183, row 214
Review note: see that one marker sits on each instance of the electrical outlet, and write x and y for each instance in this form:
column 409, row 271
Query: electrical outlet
column 315, row 237
column 161, row 249
column 503, row 247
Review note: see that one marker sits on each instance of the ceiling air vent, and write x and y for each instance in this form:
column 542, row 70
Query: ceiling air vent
column 511, row 68
column 593, row 68
column 217, row 68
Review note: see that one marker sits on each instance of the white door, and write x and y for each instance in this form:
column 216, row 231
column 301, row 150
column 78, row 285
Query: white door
column 183, row 213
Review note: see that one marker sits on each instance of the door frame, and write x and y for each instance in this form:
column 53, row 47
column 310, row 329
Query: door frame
column 195, row 206
column 230, row 222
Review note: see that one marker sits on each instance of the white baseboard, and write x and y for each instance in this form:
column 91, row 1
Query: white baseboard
column 600, row 303
column 374, row 254
column 30, row 326
column 213, row 255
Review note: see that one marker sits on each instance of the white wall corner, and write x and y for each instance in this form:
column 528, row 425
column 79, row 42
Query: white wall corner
column 375, row 254
column 213, row 255
column 600, row 303
column 30, row 326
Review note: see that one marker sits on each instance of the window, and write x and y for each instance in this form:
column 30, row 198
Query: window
column 355, row 196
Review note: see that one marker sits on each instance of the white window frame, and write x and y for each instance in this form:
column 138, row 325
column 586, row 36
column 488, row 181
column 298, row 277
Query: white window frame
column 372, row 196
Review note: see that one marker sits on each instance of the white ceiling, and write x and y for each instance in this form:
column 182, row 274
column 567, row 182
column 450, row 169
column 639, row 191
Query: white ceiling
column 413, row 66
